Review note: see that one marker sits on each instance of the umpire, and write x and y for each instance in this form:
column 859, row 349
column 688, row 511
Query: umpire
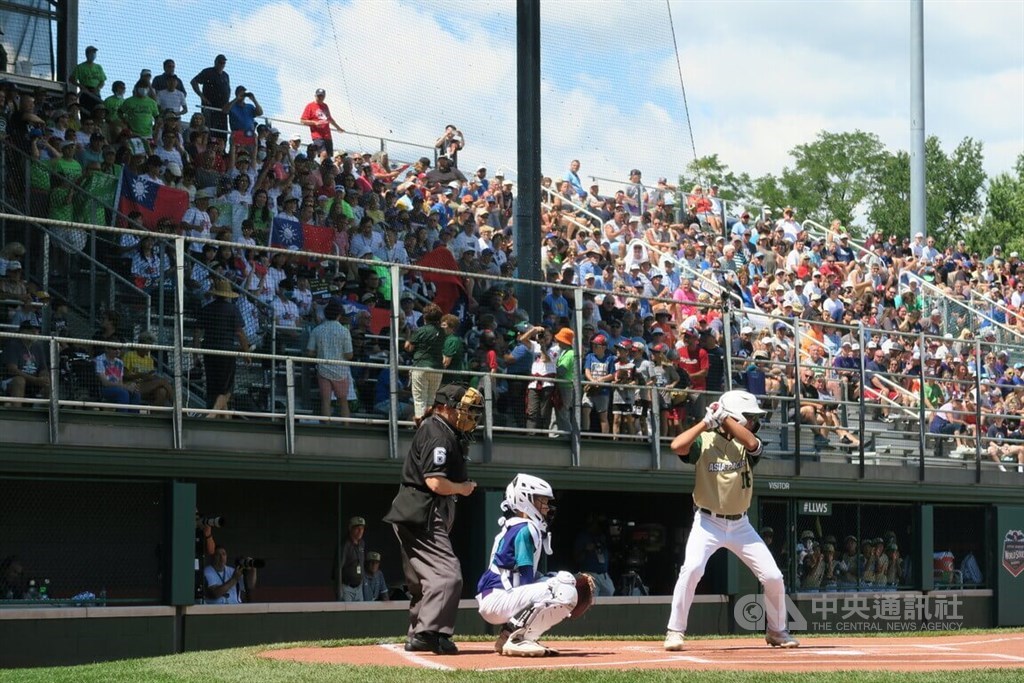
column 433, row 475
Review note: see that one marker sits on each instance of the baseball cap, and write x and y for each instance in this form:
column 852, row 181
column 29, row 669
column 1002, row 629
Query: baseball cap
column 599, row 339
column 659, row 348
column 320, row 91
column 635, row 172
column 356, row 521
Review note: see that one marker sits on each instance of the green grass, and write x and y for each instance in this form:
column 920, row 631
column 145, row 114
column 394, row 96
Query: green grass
column 242, row 666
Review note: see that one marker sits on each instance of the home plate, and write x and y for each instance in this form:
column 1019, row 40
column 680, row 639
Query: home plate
column 841, row 653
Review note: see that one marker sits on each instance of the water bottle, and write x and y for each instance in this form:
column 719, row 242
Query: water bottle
column 32, row 593
column 44, row 590
column 102, row 600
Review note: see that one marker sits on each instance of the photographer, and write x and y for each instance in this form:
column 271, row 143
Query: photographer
column 242, row 120
column 226, row 585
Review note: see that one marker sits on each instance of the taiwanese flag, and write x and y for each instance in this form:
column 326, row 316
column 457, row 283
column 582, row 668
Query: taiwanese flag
column 449, row 286
column 287, row 232
column 152, row 200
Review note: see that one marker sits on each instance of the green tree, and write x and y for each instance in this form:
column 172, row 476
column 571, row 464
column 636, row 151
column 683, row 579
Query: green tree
column 1003, row 222
column 953, row 185
column 767, row 190
column 833, row 175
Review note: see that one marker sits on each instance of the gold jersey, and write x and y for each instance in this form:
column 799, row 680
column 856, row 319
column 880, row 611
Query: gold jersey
column 724, row 479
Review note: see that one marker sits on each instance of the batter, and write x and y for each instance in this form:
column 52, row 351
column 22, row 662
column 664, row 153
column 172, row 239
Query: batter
column 724, row 449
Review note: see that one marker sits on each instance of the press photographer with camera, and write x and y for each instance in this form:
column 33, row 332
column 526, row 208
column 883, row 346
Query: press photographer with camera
column 229, row 585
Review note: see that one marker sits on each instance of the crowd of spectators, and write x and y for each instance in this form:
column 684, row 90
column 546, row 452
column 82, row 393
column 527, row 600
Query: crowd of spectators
column 663, row 268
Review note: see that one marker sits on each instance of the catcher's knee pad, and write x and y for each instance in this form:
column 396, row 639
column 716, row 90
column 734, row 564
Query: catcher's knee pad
column 563, row 589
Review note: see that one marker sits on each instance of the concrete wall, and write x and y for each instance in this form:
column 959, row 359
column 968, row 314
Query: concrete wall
column 64, row 636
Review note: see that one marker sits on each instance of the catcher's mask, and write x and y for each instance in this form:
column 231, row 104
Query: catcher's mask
column 465, row 406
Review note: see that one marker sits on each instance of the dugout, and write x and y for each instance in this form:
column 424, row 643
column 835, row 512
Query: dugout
column 131, row 541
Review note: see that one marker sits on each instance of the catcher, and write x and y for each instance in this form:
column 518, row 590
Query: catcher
column 509, row 592
column 723, row 448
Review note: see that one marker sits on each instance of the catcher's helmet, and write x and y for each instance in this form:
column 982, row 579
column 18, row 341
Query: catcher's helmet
column 519, row 497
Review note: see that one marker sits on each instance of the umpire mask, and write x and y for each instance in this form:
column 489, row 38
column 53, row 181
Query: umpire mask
column 463, row 407
column 468, row 410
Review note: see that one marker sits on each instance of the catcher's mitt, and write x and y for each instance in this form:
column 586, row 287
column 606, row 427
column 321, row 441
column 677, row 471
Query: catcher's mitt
column 585, row 593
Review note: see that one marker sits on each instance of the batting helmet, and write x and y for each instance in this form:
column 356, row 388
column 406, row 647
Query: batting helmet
column 742, row 406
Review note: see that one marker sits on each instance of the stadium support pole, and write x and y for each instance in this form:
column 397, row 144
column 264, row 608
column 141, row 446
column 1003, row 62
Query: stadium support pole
column 918, row 222
column 861, row 423
column 527, row 206
column 179, row 341
column 393, row 360
column 797, row 388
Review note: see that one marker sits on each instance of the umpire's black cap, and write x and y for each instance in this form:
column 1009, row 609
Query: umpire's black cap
column 450, row 395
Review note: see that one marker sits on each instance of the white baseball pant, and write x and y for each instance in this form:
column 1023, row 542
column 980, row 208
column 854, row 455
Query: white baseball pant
column 553, row 600
column 707, row 535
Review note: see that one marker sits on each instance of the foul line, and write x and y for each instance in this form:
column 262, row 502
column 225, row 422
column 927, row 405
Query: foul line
column 627, row 662
column 967, row 642
column 414, row 658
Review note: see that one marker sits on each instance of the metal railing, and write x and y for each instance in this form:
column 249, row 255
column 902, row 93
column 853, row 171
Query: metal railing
column 277, row 384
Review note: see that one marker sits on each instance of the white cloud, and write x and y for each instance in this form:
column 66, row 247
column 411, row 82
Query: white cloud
column 761, row 77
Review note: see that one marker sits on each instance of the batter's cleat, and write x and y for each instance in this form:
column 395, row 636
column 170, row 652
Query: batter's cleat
column 421, row 642
column 519, row 647
column 674, row 641
column 506, row 632
column 445, row 646
column 781, row 639
column 549, row 651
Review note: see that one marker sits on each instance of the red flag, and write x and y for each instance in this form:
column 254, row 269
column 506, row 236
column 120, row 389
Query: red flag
column 449, row 286
column 153, row 201
column 318, row 238
column 380, row 320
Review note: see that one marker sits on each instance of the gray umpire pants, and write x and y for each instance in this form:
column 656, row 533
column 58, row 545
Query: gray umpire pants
column 433, row 576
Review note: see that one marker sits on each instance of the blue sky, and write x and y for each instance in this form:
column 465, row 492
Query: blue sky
column 761, row 77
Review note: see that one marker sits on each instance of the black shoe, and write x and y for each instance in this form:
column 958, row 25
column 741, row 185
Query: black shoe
column 445, row 646
column 421, row 642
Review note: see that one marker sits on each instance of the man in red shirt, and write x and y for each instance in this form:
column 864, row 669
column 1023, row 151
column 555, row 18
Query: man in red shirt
column 317, row 115
column 693, row 360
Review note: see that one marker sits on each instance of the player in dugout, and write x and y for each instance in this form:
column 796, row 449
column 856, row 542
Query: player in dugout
column 724, row 448
column 434, row 475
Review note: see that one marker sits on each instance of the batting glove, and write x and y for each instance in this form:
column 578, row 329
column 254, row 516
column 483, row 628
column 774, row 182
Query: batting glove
column 713, row 416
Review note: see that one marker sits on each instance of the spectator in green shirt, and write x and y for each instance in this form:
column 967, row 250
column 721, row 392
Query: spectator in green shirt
column 565, row 372
column 66, row 164
column 113, row 104
column 427, row 347
column 139, row 113
column 453, row 354
column 89, row 77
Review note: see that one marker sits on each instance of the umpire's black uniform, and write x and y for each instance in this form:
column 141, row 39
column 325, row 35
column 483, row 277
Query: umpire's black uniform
column 422, row 520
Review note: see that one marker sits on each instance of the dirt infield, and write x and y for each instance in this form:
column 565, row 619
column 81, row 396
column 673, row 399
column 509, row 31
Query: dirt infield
column 735, row 654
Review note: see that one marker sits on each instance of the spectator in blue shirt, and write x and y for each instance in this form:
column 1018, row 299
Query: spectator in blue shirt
column 242, row 118
column 519, row 361
column 557, row 305
column 382, row 396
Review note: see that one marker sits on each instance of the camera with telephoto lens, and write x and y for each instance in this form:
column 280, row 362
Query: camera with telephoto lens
column 250, row 563
column 215, row 521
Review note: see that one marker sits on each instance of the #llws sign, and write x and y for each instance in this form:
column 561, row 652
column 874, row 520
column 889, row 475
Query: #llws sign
column 1013, row 552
